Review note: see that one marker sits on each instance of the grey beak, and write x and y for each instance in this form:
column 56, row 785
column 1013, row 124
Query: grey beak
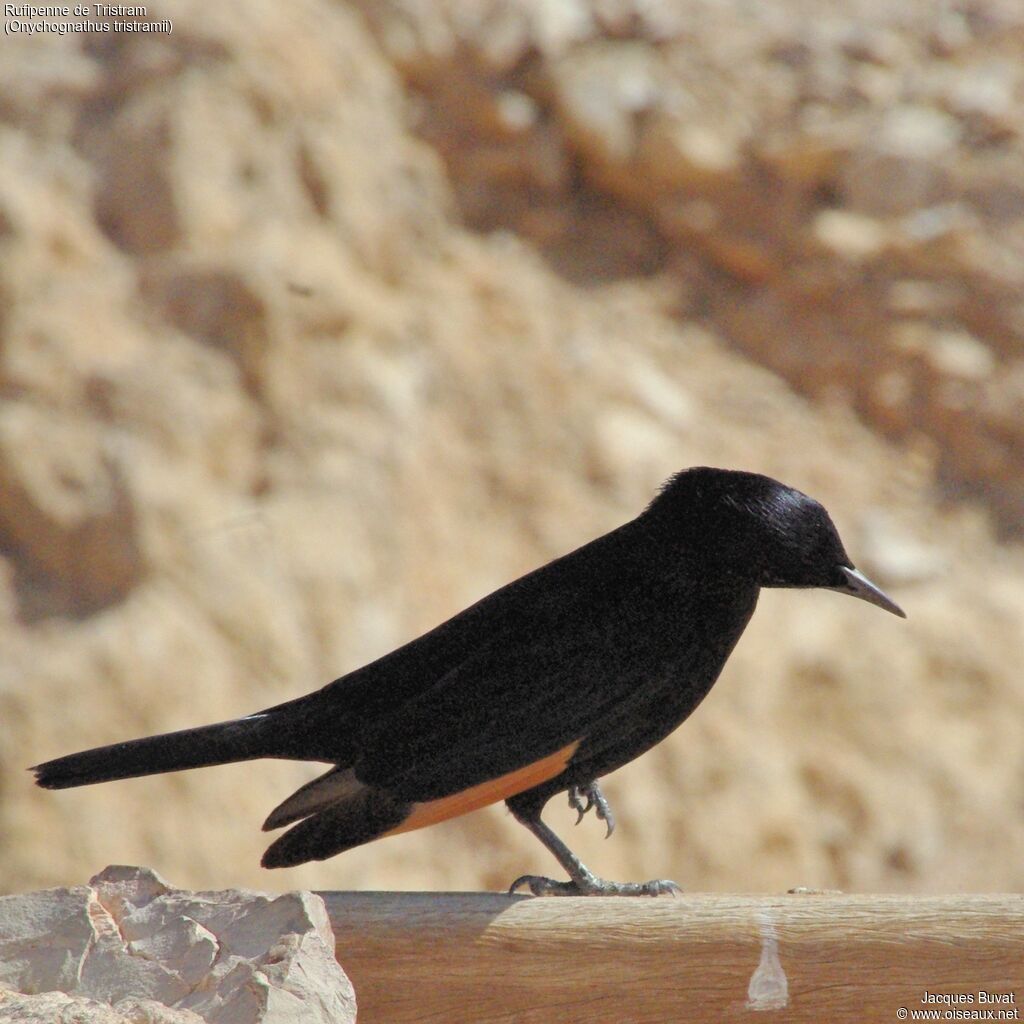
column 858, row 585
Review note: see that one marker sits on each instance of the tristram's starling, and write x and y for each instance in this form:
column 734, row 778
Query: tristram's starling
column 540, row 688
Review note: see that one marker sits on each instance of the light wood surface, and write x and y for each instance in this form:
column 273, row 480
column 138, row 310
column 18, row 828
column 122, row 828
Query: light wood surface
column 822, row 957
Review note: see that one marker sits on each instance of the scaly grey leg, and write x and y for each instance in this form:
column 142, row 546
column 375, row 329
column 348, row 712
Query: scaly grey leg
column 583, row 882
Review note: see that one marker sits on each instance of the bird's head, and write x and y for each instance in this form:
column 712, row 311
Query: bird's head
column 748, row 526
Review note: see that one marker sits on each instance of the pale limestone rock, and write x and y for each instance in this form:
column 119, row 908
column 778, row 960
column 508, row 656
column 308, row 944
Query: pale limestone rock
column 959, row 354
column 892, row 553
column 51, row 1007
column 916, row 132
column 681, row 151
column 852, row 235
column 601, row 90
column 129, row 948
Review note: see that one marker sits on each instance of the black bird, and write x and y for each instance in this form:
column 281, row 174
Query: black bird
column 540, row 688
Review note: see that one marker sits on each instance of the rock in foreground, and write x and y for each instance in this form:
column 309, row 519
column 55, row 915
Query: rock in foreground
column 128, row 947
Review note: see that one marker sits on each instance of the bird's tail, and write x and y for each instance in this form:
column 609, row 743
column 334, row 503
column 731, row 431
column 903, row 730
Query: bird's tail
column 265, row 734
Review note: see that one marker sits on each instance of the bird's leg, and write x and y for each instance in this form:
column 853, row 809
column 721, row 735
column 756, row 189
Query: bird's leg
column 595, row 799
column 583, row 881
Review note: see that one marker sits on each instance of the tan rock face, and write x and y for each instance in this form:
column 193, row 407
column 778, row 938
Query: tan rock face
column 128, row 947
column 785, row 166
column 316, row 325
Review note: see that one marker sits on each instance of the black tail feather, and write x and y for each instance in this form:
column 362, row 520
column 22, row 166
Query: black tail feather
column 332, row 787
column 240, row 740
column 366, row 815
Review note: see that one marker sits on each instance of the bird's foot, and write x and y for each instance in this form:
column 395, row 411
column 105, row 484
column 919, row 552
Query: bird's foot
column 594, row 886
column 595, row 799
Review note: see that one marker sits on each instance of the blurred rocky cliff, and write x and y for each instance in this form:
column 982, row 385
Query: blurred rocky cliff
column 319, row 321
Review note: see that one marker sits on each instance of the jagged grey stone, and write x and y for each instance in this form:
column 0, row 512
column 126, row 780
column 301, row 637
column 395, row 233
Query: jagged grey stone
column 129, row 949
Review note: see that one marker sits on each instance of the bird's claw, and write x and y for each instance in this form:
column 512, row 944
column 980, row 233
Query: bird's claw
column 661, row 887
column 594, row 886
column 541, row 886
column 576, row 794
column 595, row 799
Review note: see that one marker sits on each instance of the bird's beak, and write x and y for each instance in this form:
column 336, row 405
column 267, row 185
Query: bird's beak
column 858, row 585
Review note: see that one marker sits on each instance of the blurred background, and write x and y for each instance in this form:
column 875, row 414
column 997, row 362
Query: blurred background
column 319, row 321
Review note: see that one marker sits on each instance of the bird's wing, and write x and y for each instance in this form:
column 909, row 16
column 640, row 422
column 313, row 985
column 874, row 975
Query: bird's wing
column 541, row 680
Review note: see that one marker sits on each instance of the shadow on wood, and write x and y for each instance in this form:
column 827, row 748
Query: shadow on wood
column 821, row 957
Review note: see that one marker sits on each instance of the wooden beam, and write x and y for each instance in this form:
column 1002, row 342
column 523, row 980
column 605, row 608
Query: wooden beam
column 818, row 957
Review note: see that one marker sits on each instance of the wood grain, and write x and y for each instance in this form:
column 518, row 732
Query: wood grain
column 821, row 957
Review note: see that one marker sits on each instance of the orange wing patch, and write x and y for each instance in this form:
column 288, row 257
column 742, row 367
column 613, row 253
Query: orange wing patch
column 501, row 788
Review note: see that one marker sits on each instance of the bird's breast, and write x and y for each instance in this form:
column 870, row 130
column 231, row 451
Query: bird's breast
column 679, row 670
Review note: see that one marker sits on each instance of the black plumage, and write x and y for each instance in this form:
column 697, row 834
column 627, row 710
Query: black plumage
column 542, row 687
